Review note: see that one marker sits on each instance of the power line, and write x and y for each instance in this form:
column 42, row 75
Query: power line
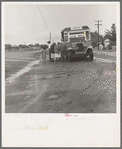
column 43, row 18
column 98, row 30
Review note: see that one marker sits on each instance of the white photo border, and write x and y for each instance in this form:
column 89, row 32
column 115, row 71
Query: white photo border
column 85, row 130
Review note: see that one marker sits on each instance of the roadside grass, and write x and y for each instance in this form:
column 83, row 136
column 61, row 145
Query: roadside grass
column 112, row 50
column 20, row 54
column 12, row 67
column 17, row 60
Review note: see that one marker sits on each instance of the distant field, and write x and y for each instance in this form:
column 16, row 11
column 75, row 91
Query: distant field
column 16, row 60
column 19, row 55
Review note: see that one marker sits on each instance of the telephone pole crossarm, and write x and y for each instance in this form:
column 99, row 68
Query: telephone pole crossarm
column 98, row 21
column 97, row 24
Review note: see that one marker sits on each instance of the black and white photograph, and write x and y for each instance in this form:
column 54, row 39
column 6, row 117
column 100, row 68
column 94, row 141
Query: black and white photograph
column 63, row 59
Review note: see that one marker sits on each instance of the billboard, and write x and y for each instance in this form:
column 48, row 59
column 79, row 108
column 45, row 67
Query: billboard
column 76, row 28
column 77, row 36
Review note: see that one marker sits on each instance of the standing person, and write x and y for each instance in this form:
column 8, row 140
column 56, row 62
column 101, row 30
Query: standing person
column 43, row 54
column 57, row 50
column 63, row 51
column 51, row 52
column 49, row 45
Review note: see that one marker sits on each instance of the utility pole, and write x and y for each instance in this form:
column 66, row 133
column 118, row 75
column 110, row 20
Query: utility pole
column 50, row 37
column 98, row 30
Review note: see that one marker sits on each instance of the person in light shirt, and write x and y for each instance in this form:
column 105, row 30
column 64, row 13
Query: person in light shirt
column 57, row 51
column 51, row 52
column 43, row 54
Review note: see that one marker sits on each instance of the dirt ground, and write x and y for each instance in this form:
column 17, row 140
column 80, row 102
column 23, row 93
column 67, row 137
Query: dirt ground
column 56, row 87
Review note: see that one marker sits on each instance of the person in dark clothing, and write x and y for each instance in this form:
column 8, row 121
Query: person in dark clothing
column 51, row 52
column 49, row 44
column 63, row 51
column 57, row 51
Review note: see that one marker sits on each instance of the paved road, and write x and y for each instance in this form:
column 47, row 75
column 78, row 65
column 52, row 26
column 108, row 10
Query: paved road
column 78, row 87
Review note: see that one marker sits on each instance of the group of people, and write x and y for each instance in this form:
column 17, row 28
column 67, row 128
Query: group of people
column 56, row 52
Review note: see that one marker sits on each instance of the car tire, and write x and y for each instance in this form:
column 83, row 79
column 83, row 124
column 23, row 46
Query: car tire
column 91, row 58
column 69, row 57
column 90, row 55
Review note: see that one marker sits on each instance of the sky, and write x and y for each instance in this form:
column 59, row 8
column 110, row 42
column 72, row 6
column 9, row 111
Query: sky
column 24, row 24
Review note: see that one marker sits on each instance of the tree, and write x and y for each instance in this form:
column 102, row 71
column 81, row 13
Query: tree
column 41, row 45
column 8, row 46
column 37, row 44
column 94, row 38
column 111, row 34
column 30, row 45
column 44, row 46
